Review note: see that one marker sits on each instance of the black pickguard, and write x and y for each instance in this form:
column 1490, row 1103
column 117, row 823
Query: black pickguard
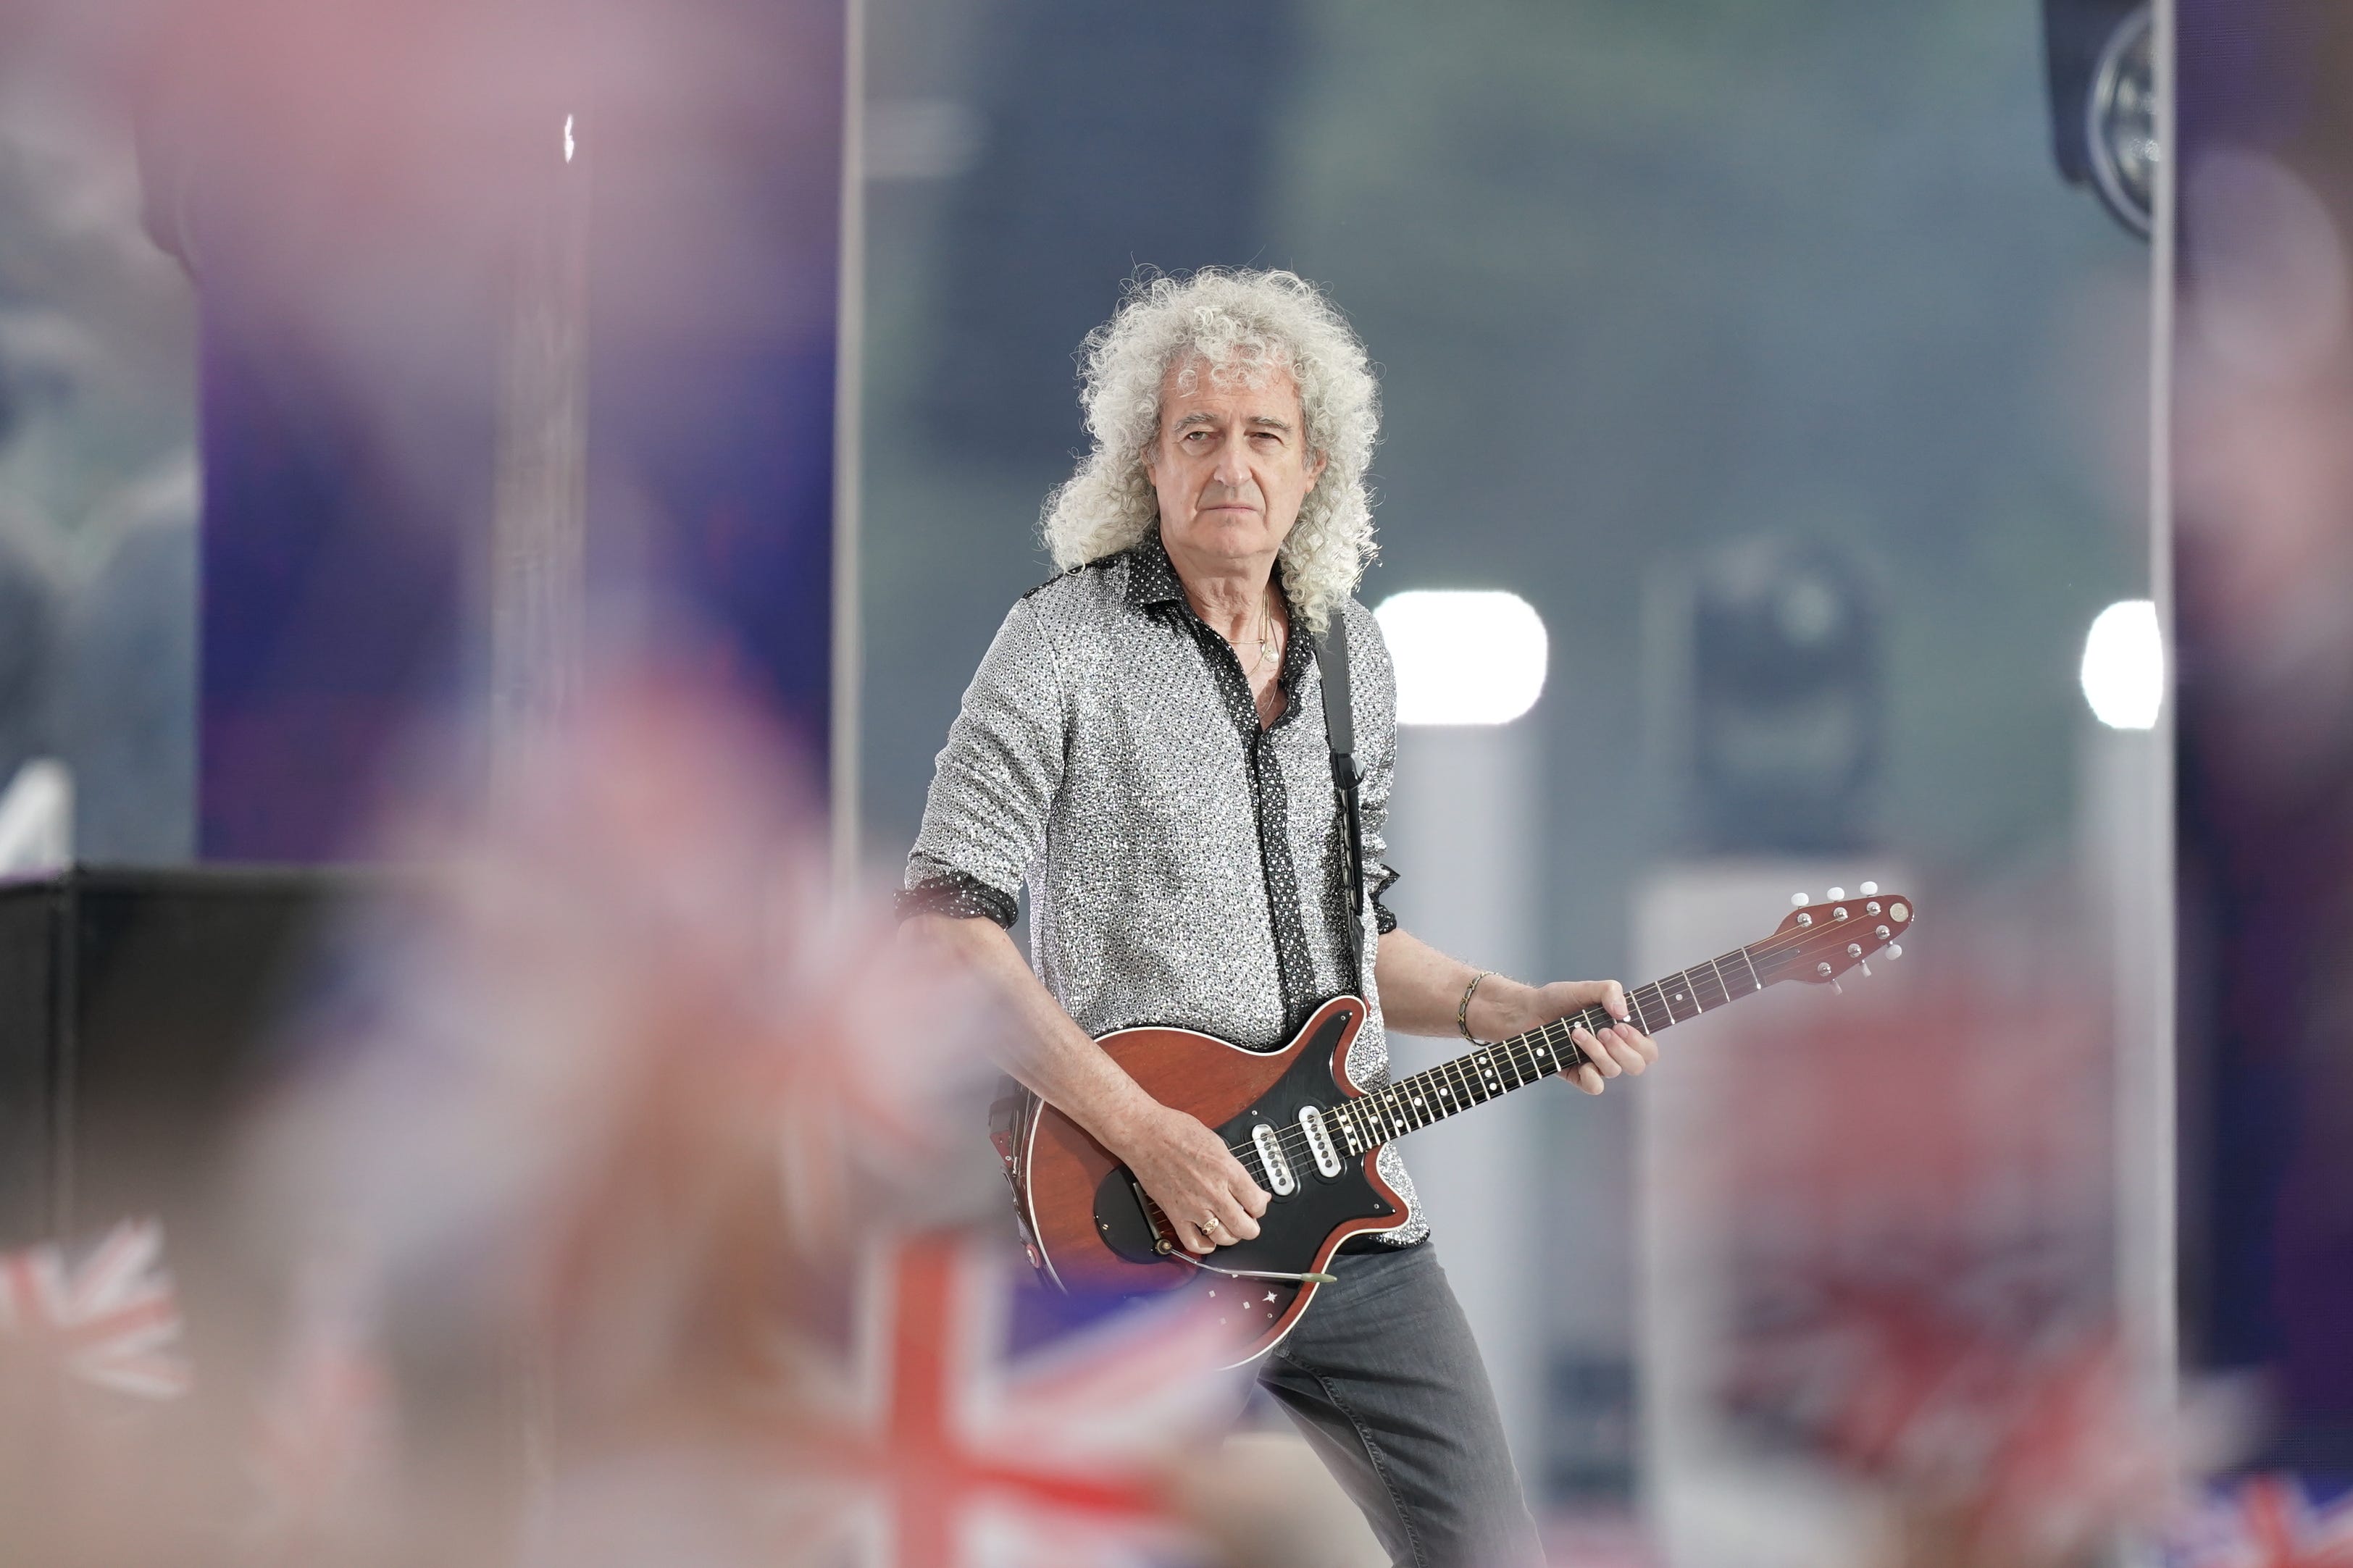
column 1294, row 1227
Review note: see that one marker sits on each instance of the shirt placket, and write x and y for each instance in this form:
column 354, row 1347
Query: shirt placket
column 1271, row 809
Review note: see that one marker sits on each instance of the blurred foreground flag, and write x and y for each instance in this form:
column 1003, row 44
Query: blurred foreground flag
column 110, row 1322
column 959, row 1446
column 2269, row 1521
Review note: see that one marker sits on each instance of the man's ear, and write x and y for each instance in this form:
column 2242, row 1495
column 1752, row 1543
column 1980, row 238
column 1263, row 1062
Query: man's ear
column 1315, row 468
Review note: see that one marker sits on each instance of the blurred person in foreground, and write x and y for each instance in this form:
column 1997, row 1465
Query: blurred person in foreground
column 1145, row 746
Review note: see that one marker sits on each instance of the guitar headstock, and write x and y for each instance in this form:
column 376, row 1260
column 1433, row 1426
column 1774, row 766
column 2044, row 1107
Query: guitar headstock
column 1820, row 941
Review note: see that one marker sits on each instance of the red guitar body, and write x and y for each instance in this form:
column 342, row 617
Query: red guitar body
column 1096, row 1233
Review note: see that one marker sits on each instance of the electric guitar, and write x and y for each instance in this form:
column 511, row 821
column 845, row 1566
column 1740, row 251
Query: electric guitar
column 1308, row 1135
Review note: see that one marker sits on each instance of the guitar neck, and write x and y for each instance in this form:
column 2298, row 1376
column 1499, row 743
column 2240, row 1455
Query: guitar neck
column 1493, row 1070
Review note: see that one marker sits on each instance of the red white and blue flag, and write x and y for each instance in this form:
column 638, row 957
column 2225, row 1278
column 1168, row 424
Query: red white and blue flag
column 2268, row 1521
column 958, row 1447
column 110, row 1320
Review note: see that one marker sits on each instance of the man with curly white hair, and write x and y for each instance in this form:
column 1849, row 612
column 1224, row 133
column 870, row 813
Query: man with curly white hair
column 1144, row 748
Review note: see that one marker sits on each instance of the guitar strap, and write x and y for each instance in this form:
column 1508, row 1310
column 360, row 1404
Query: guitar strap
column 1340, row 734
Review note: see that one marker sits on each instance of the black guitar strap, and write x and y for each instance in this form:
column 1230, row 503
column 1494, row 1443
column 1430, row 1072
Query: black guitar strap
column 1340, row 734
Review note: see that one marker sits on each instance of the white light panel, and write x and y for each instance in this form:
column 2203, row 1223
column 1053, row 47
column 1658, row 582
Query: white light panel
column 1464, row 658
column 2124, row 665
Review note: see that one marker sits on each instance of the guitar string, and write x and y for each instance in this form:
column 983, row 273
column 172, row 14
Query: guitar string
column 1526, row 1064
column 1389, row 1104
column 1388, row 1101
column 1523, row 1060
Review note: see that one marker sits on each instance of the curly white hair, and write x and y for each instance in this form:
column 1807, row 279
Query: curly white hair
column 1243, row 324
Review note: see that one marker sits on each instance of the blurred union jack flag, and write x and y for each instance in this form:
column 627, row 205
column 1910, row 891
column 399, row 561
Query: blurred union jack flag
column 110, row 1322
column 955, row 1445
column 2269, row 1521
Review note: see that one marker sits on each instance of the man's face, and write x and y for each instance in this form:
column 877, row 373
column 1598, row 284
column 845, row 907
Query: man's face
column 1231, row 466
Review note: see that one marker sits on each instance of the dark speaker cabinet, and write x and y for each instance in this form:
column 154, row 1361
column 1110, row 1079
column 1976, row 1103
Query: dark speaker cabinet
column 140, row 1010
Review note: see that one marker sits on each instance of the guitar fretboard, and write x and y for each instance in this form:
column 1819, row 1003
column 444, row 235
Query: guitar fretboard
column 1493, row 1070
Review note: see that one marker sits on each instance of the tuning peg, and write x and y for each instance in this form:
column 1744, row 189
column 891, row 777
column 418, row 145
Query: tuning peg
column 1798, row 901
column 1869, row 889
column 1866, row 966
column 1894, row 950
column 1837, row 893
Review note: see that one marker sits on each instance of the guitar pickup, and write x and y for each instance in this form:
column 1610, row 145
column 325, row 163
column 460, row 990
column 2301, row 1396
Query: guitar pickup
column 1278, row 1179
column 1319, row 1141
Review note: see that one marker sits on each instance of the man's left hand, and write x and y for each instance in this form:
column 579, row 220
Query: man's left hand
column 1617, row 1048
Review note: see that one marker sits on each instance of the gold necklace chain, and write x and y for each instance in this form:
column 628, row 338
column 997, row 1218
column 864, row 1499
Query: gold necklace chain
column 1266, row 644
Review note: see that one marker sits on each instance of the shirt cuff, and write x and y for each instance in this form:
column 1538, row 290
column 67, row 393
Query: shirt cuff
column 1384, row 921
column 957, row 895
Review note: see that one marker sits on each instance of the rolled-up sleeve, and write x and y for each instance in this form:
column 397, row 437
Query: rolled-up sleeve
column 994, row 784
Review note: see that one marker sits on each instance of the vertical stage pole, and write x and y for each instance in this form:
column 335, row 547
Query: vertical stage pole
column 1462, row 819
column 848, row 392
column 2147, row 1142
column 538, row 561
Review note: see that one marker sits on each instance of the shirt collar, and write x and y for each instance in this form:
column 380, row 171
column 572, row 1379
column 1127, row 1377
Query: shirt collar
column 1153, row 585
column 1152, row 578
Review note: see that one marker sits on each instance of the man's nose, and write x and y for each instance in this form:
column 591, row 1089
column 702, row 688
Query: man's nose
column 1233, row 464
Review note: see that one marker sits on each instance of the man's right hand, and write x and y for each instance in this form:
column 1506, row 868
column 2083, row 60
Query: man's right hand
column 1186, row 1169
column 1183, row 1165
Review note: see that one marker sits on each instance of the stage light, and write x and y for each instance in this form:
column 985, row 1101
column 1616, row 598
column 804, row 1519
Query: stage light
column 1779, row 700
column 2103, row 93
column 567, row 138
column 1464, row 658
column 2124, row 665
column 2120, row 124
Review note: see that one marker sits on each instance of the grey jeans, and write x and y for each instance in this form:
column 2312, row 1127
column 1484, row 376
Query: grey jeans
column 1384, row 1378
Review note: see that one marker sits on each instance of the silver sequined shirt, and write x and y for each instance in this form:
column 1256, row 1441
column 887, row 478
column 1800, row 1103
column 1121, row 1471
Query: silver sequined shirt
column 1184, row 867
